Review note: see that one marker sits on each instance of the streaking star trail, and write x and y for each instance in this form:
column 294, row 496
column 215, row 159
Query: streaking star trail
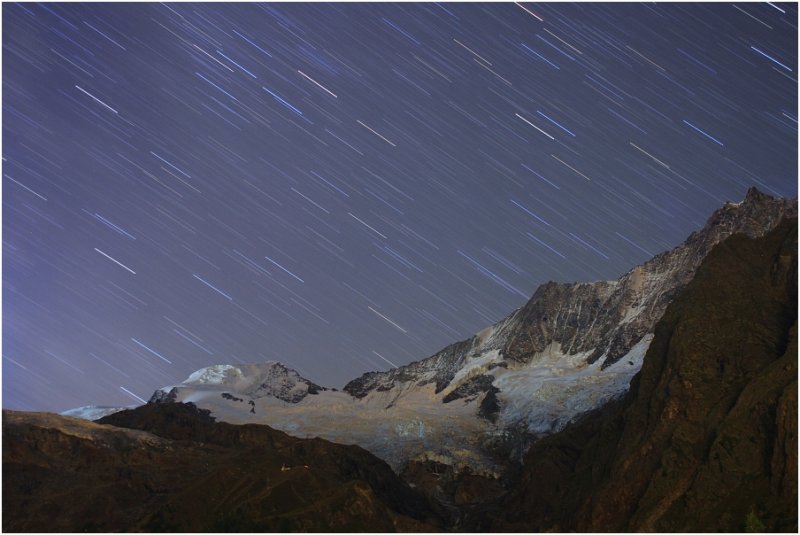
column 350, row 186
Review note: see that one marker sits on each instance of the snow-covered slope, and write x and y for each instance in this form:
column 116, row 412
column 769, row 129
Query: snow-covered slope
column 412, row 420
column 570, row 349
column 269, row 379
column 92, row 412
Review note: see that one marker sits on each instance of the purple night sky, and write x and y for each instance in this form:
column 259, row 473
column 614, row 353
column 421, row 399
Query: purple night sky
column 347, row 187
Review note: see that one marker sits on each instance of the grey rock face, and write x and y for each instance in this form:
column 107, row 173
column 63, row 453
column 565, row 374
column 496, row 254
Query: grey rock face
column 285, row 384
column 164, row 396
column 470, row 389
column 611, row 317
column 439, row 369
column 490, row 405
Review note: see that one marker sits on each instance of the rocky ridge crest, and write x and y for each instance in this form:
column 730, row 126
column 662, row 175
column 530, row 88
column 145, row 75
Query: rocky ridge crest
column 605, row 319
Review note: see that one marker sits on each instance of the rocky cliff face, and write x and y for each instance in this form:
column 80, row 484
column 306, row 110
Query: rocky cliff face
column 706, row 438
column 170, row 467
column 438, row 369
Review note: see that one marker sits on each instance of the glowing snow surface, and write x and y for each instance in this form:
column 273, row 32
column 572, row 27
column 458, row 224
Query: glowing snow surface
column 410, row 421
column 91, row 412
column 214, row 375
column 556, row 388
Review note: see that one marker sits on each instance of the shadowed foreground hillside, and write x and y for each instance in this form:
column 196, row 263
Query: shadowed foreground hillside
column 189, row 473
column 706, row 438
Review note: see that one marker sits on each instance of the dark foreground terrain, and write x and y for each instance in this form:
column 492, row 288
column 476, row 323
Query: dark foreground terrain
column 705, row 440
column 189, row 473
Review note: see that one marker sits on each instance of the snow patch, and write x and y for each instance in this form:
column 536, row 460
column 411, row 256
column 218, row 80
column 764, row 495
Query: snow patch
column 485, row 334
column 556, row 388
column 91, row 412
column 632, row 313
column 213, row 375
column 414, row 428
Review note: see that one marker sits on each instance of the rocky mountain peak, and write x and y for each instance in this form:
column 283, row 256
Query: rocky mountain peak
column 283, row 383
column 755, row 195
column 266, row 379
column 749, row 216
column 604, row 319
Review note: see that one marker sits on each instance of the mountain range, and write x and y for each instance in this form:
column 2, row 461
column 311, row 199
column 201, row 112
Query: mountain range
column 665, row 400
column 482, row 401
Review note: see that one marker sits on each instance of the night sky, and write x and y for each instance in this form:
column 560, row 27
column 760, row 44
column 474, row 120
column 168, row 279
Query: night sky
column 348, row 187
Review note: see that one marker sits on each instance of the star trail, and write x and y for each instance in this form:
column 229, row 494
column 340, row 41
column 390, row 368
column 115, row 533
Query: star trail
column 351, row 187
